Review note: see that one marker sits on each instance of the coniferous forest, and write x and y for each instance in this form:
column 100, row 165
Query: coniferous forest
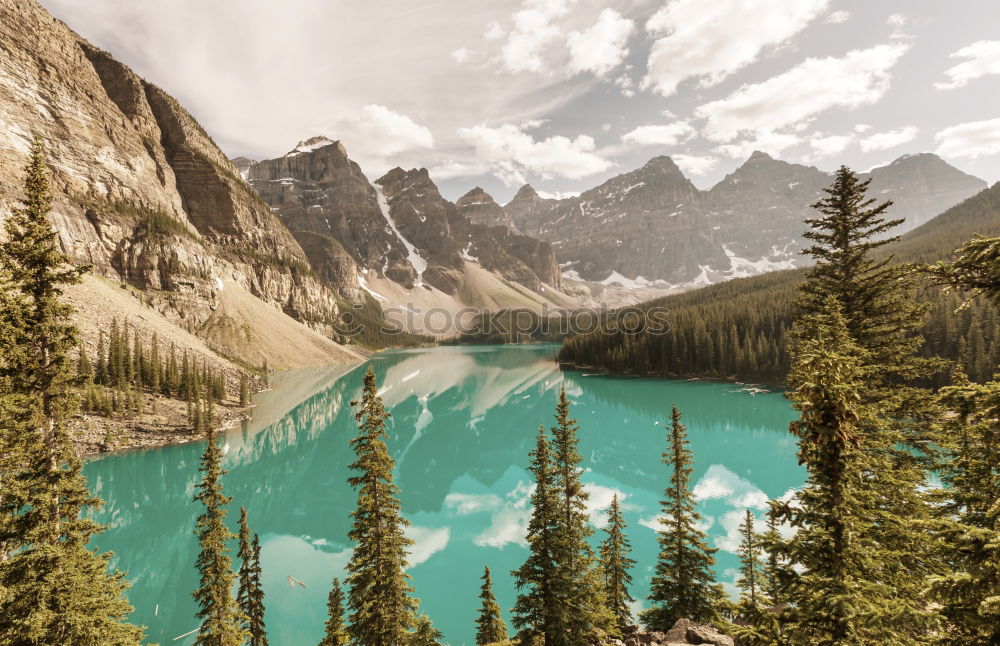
column 893, row 539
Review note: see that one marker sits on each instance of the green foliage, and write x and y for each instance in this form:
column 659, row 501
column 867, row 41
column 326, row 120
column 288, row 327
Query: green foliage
column 364, row 324
column 975, row 270
column 221, row 619
column 615, row 566
column 425, row 634
column 740, row 328
column 336, row 631
column 53, row 589
column 379, row 598
column 490, row 626
column 536, row 609
column 250, row 597
column 683, row 584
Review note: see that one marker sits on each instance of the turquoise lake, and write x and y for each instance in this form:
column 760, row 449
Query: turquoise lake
column 463, row 422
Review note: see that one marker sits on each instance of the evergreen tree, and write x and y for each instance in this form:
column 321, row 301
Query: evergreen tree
column 854, row 585
column 490, row 626
column 536, row 609
column 53, row 589
column 615, row 566
column 250, row 597
column 221, row 620
column 755, row 623
column 336, row 631
column 424, row 633
column 683, row 584
column 244, row 390
column 379, row 597
column 975, row 270
column 749, row 552
column 576, row 584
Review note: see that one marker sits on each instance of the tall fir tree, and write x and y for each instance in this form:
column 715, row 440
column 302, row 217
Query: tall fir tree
column 577, row 583
column 424, row 633
column 221, row 620
column 874, row 302
column 53, row 589
column 683, row 584
column 380, row 597
column 250, row 597
column 336, row 629
column 852, row 586
column 490, row 626
column 536, row 611
column 616, row 565
column 756, row 624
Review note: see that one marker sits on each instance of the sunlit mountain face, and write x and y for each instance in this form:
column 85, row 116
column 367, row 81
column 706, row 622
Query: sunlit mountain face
column 463, row 422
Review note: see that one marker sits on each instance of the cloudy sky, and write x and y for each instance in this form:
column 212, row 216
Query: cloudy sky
column 563, row 94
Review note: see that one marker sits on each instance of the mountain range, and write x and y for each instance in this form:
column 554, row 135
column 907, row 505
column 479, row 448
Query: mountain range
column 259, row 257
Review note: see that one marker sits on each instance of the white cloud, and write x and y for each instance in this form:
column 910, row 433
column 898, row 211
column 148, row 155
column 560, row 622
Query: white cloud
column 838, row 17
column 794, row 97
column 982, row 58
column 602, row 47
column 668, row 135
column 889, row 139
column 772, row 143
column 711, row 40
column 598, row 500
column 379, row 131
column 731, row 521
column 533, row 30
column 862, row 127
column 426, row 542
column 830, row 145
column 972, row 139
column 509, row 522
column 512, row 153
column 694, row 164
column 461, row 55
column 464, row 504
column 494, row 31
column 557, row 195
column 455, row 169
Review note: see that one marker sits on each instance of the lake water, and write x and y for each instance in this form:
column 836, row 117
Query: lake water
column 464, row 420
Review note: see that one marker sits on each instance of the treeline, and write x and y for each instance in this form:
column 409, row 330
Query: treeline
column 127, row 368
column 740, row 329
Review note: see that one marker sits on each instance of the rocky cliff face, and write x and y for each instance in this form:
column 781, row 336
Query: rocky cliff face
column 652, row 226
column 398, row 227
column 142, row 192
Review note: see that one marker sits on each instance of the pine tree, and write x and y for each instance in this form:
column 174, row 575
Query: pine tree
column 424, row 633
column 336, row 631
column 101, row 368
column 683, row 583
column 535, row 610
column 755, row 623
column 221, row 619
column 576, row 583
column 852, row 581
column 615, row 566
column 84, row 369
column 490, row 626
column 53, row 589
column 244, row 390
column 379, row 596
column 250, row 597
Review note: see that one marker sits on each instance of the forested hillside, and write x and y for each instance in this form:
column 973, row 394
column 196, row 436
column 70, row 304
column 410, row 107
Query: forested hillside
column 739, row 329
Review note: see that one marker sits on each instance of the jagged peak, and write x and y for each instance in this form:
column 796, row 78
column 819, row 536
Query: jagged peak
column 476, row 195
column 315, row 143
column 526, row 192
column 759, row 155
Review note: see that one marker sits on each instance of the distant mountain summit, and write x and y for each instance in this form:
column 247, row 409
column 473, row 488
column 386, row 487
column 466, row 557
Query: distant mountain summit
column 652, row 226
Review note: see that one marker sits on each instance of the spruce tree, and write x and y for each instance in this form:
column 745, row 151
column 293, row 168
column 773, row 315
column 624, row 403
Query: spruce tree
column 336, row 630
column 490, row 626
column 536, row 608
column 379, row 598
column 53, row 589
column 221, row 620
column 244, row 390
column 424, row 633
column 577, row 583
column 615, row 566
column 250, row 597
column 755, row 623
column 853, row 585
column 683, row 584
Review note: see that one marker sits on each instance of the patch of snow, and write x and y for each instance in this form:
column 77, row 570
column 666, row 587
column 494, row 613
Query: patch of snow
column 364, row 285
column 742, row 267
column 218, row 284
column 321, row 142
column 467, row 256
column 416, row 260
column 793, row 184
